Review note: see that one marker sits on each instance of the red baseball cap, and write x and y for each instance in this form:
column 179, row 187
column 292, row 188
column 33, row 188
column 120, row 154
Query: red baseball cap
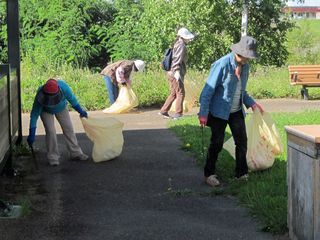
column 50, row 93
column 51, row 86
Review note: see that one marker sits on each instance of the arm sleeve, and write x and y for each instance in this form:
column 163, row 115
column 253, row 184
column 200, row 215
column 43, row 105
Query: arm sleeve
column 120, row 75
column 35, row 113
column 68, row 93
column 179, row 54
column 215, row 77
column 247, row 100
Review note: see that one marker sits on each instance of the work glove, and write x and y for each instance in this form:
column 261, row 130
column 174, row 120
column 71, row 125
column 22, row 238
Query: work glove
column 256, row 106
column 203, row 121
column 82, row 112
column 177, row 76
column 31, row 137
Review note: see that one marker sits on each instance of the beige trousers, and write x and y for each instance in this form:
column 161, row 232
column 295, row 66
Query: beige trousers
column 51, row 136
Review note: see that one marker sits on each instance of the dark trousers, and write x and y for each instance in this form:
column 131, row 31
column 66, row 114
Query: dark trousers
column 238, row 129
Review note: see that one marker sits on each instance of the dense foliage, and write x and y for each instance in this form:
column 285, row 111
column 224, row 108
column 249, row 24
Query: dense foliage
column 90, row 33
column 70, row 31
column 146, row 28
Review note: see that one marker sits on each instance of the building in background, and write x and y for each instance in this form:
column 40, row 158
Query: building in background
column 310, row 9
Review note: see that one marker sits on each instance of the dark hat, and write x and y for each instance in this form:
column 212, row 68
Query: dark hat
column 49, row 94
column 247, row 47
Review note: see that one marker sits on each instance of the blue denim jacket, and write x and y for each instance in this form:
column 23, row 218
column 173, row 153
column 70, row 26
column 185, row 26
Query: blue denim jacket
column 218, row 92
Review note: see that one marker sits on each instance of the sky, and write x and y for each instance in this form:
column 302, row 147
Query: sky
column 313, row 3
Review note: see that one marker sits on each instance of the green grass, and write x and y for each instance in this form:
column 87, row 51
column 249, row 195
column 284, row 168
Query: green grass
column 151, row 87
column 303, row 42
column 265, row 194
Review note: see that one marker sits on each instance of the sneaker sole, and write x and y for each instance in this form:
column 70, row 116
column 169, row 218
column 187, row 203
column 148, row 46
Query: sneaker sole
column 164, row 116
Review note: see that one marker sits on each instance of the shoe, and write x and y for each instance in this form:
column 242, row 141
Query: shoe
column 164, row 114
column 177, row 116
column 82, row 157
column 212, row 181
column 106, row 110
column 54, row 162
column 244, row 177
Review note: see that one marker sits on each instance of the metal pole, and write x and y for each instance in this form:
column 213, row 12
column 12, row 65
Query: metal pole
column 244, row 20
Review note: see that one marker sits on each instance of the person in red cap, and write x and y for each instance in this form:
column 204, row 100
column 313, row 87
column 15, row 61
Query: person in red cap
column 51, row 101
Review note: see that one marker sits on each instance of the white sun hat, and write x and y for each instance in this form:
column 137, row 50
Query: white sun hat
column 139, row 65
column 185, row 33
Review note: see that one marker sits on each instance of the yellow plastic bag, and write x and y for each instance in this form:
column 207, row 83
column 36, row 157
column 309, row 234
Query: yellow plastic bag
column 263, row 142
column 106, row 135
column 192, row 93
column 186, row 106
column 230, row 147
column 126, row 100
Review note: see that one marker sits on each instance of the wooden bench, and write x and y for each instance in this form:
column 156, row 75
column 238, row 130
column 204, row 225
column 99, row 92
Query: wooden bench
column 306, row 76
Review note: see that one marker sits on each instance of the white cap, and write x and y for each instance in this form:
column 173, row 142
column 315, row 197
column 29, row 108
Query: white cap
column 185, row 33
column 139, row 65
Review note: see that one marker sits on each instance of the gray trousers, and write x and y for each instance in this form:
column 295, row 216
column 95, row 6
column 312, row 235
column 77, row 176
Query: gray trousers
column 51, row 136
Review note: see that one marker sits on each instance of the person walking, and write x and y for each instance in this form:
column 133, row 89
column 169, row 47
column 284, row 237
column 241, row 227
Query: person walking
column 221, row 104
column 119, row 73
column 51, row 101
column 176, row 74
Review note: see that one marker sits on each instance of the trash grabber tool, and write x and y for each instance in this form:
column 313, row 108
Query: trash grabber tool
column 34, row 159
column 202, row 141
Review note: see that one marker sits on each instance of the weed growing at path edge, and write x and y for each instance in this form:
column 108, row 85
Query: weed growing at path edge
column 265, row 194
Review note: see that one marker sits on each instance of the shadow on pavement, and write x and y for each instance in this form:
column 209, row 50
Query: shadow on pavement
column 131, row 197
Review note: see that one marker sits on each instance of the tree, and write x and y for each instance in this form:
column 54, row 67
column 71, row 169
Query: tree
column 146, row 28
column 69, row 31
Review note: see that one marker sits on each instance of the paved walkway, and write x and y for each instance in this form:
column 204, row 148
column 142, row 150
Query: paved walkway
column 152, row 191
column 148, row 118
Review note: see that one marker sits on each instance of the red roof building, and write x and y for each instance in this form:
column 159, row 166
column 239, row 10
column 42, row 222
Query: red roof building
column 303, row 12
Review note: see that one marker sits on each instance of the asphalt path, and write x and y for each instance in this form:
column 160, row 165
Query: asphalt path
column 153, row 190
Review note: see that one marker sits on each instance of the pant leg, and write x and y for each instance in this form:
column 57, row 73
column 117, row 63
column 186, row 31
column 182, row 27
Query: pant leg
column 115, row 88
column 238, row 129
column 180, row 94
column 172, row 96
column 67, row 129
column 51, row 136
column 112, row 89
column 218, row 127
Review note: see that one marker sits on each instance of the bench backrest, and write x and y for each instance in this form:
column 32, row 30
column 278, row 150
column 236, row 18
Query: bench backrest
column 308, row 75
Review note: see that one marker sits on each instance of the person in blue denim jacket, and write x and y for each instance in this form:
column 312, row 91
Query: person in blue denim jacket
column 221, row 104
column 51, row 101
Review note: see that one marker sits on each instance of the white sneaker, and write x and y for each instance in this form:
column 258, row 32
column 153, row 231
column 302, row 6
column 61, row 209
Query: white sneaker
column 244, row 177
column 53, row 162
column 106, row 110
column 82, row 157
column 212, row 181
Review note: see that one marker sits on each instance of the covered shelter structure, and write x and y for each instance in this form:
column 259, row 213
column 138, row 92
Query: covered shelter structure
column 10, row 87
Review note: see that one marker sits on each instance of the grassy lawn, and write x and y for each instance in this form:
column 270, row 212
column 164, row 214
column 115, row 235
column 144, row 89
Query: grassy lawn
column 303, row 42
column 265, row 194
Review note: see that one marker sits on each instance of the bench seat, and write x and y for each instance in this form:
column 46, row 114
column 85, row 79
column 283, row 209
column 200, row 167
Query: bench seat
column 306, row 76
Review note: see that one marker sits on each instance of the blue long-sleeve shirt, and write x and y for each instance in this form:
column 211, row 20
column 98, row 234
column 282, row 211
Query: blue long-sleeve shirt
column 67, row 96
column 219, row 90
